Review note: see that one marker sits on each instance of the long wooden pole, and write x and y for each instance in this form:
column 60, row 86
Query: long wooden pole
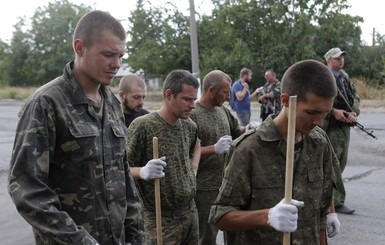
column 157, row 195
column 290, row 158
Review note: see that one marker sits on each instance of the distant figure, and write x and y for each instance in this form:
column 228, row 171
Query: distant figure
column 132, row 91
column 269, row 95
column 241, row 92
column 179, row 154
column 250, row 201
column 338, row 122
column 69, row 176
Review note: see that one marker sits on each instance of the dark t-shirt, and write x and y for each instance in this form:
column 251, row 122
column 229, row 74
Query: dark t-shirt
column 128, row 118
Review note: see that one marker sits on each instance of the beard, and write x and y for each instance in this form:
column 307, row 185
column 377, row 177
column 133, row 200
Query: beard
column 130, row 110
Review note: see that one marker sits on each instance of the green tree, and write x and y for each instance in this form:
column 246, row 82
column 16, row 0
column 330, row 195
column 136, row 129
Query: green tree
column 4, row 62
column 51, row 39
column 38, row 52
column 19, row 48
column 158, row 40
column 271, row 34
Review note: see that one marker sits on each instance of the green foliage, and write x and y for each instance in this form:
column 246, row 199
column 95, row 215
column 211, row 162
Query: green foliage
column 159, row 41
column 258, row 34
column 39, row 54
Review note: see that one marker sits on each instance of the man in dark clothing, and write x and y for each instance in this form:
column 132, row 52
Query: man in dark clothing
column 132, row 91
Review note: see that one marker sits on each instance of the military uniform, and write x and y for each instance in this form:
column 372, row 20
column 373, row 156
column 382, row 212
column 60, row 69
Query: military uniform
column 212, row 124
column 339, row 132
column 273, row 105
column 69, row 176
column 255, row 179
column 178, row 187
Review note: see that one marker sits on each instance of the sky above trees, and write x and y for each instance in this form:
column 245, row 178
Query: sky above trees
column 370, row 10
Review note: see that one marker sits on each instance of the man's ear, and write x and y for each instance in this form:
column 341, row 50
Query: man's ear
column 211, row 90
column 121, row 95
column 285, row 99
column 78, row 46
column 168, row 94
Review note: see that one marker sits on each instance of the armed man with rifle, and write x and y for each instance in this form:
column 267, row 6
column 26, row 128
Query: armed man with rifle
column 337, row 123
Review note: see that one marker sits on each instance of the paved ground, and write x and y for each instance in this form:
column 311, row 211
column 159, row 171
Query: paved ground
column 364, row 175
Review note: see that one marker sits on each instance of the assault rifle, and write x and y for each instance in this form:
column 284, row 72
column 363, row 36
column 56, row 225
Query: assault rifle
column 362, row 128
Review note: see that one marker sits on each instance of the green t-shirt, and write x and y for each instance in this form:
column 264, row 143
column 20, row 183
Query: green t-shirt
column 176, row 143
column 212, row 125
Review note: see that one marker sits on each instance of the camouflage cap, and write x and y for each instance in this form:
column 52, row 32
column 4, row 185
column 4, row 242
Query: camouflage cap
column 334, row 53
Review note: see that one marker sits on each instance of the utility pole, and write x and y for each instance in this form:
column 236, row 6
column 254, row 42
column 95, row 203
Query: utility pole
column 194, row 45
column 374, row 37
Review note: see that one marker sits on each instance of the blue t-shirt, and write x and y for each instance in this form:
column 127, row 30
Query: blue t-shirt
column 244, row 104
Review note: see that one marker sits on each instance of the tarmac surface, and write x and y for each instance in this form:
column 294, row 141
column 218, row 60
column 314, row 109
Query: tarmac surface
column 364, row 182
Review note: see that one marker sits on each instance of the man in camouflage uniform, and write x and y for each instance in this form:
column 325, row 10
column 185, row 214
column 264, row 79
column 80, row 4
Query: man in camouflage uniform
column 216, row 128
column 69, row 176
column 339, row 120
column 269, row 95
column 250, row 200
column 177, row 137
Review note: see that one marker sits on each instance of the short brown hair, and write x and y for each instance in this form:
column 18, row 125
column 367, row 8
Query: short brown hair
column 244, row 71
column 308, row 76
column 95, row 22
column 214, row 79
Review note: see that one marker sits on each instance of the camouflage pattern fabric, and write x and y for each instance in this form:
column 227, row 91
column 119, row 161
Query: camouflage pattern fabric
column 338, row 132
column 176, row 143
column 273, row 106
column 207, row 232
column 178, row 227
column 254, row 179
column 212, row 124
column 340, row 138
column 69, row 177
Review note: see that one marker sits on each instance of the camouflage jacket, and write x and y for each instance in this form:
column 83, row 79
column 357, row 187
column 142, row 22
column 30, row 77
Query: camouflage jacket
column 254, row 179
column 273, row 105
column 69, row 176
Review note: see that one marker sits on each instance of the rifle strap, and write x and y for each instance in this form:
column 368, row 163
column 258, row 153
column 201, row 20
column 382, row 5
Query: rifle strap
column 343, row 97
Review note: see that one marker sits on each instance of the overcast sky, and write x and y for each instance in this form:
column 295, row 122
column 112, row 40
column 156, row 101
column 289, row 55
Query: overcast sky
column 370, row 10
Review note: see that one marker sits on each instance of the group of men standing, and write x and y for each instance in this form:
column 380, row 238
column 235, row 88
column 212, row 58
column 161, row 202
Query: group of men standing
column 82, row 165
column 268, row 96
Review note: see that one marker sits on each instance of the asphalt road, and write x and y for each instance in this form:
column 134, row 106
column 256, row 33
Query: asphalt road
column 364, row 176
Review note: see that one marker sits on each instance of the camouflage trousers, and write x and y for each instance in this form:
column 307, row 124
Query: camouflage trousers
column 179, row 227
column 339, row 138
column 207, row 232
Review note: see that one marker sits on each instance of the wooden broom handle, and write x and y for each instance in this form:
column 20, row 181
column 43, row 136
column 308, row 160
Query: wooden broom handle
column 157, row 195
column 290, row 158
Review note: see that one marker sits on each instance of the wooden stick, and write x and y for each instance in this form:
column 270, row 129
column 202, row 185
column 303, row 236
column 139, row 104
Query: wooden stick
column 290, row 158
column 157, row 195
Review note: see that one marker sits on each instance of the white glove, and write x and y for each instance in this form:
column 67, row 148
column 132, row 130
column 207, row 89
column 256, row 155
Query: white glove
column 333, row 224
column 153, row 169
column 252, row 125
column 223, row 144
column 283, row 217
